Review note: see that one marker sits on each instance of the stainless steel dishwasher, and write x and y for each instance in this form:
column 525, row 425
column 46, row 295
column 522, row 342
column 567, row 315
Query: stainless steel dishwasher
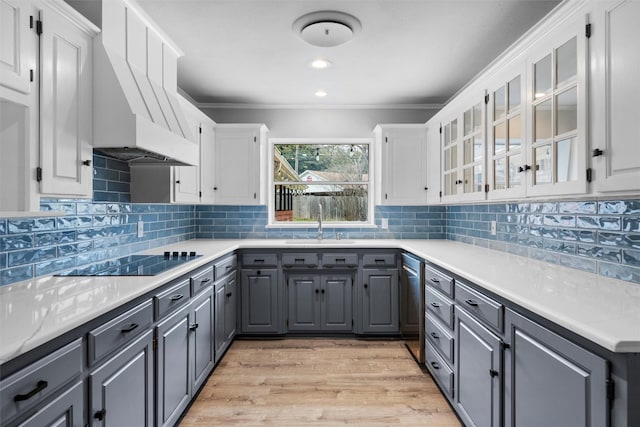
column 412, row 305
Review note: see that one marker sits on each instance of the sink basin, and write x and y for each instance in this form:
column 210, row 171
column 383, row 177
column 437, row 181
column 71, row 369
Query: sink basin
column 319, row 242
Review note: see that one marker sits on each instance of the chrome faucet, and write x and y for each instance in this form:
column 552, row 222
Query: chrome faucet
column 319, row 221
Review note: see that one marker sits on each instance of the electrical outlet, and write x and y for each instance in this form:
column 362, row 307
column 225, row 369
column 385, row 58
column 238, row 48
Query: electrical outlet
column 493, row 228
column 140, row 229
column 385, row 223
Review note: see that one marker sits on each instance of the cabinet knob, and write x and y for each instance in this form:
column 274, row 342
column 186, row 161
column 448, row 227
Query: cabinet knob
column 322, row 291
column 426, row 188
column 366, row 286
column 178, row 182
column 523, row 168
column 99, row 415
column 87, row 163
column 435, row 336
column 597, row 152
column 435, row 365
column 193, row 326
column 215, row 188
column 317, row 291
column 229, row 294
column 493, row 373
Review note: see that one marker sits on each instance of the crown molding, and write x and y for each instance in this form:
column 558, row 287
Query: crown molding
column 320, row 106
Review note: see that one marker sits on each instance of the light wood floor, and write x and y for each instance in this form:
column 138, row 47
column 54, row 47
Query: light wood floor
column 298, row 382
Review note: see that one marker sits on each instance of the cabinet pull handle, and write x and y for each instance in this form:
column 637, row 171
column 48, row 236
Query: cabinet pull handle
column 493, row 373
column 258, row 260
column 205, row 280
column 178, row 181
column 229, row 294
column 322, row 291
column 523, row 168
column 215, row 188
column 435, row 280
column 435, row 304
column 41, row 385
column 472, row 303
column 99, row 415
column 341, row 259
column 193, row 326
column 177, row 297
column 366, row 286
column 129, row 328
column 87, row 163
column 435, row 365
column 379, row 260
column 299, row 260
column 317, row 291
column 597, row 152
column 435, row 336
column 226, row 267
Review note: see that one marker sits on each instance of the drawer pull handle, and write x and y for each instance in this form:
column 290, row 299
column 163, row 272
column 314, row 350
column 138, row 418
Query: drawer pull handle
column 435, row 304
column 435, row 336
column 177, row 297
column 226, row 267
column 39, row 387
column 205, row 280
column 435, row 365
column 379, row 260
column 435, row 280
column 472, row 303
column 229, row 294
column 193, row 326
column 100, row 415
column 255, row 261
column 129, row 328
column 341, row 260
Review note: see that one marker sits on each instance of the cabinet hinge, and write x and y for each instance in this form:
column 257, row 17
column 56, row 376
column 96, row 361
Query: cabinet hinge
column 39, row 174
column 386, row 139
column 255, row 195
column 440, row 129
column 38, row 27
column 486, row 99
column 255, row 139
column 31, row 75
column 287, row 323
column 200, row 130
column 587, row 31
column 611, row 390
column 352, row 323
column 386, row 196
column 486, row 188
column 589, row 174
column 441, row 194
column 154, row 343
column 200, row 194
column 30, row 21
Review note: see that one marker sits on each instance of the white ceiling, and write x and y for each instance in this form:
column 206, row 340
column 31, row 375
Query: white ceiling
column 412, row 52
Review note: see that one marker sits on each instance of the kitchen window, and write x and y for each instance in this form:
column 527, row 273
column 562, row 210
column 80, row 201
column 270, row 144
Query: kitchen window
column 308, row 174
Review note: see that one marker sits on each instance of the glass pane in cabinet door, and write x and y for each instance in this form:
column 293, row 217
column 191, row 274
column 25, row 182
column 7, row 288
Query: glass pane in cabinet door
column 567, row 111
column 515, row 133
column 473, row 178
column 478, row 148
column 499, row 103
column 500, row 174
column 499, row 138
column 447, row 159
column 467, row 122
column 477, row 117
column 567, row 160
column 566, row 62
column 467, row 151
column 542, row 118
column 454, row 130
column 514, row 94
column 447, row 134
column 515, row 177
column 454, row 157
column 542, row 77
column 542, row 164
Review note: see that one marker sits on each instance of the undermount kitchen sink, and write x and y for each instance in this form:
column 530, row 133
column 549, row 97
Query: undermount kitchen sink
column 319, row 242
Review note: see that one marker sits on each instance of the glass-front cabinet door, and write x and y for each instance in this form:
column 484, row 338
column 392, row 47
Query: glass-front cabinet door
column 557, row 152
column 449, row 138
column 473, row 164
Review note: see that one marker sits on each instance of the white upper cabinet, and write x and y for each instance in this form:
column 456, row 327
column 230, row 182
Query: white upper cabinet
column 66, row 82
column 615, row 61
column 403, row 161
column 239, row 158
column 15, row 47
column 433, row 165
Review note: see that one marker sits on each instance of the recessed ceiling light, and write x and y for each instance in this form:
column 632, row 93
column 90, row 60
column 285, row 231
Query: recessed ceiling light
column 321, row 64
column 321, row 93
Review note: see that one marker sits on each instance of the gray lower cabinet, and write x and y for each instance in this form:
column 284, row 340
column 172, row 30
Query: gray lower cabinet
column 260, row 301
column 66, row 410
column 320, row 302
column 550, row 380
column 121, row 389
column 202, row 335
column 379, row 299
column 478, row 374
column 225, row 313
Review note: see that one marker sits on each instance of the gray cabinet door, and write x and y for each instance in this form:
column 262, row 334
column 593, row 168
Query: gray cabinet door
column 66, row 410
column 304, row 302
column 259, row 301
column 335, row 302
column 230, row 309
column 550, row 380
column 121, row 390
column 379, row 298
column 173, row 370
column 478, row 373
column 220, row 315
column 202, row 336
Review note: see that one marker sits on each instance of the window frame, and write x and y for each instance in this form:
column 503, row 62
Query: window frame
column 272, row 142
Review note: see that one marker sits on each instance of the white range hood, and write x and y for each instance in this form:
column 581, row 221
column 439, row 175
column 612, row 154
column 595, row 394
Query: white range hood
column 137, row 116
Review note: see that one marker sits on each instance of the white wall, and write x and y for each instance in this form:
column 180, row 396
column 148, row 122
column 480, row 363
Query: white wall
column 319, row 123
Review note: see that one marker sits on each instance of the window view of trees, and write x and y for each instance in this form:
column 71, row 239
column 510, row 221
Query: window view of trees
column 335, row 176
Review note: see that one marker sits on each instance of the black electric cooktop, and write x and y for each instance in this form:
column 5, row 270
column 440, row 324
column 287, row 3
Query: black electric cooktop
column 134, row 265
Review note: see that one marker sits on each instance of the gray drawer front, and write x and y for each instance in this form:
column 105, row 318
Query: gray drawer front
column 259, row 260
column 300, row 260
column 439, row 280
column 481, row 306
column 440, row 370
column 440, row 305
column 119, row 331
column 225, row 266
column 201, row 280
column 39, row 380
column 379, row 260
column 171, row 299
column 331, row 260
column 440, row 337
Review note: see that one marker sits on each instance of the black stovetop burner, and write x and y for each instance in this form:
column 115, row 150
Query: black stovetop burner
column 134, row 265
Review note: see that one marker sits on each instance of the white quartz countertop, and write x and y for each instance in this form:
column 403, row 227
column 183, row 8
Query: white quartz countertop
column 603, row 310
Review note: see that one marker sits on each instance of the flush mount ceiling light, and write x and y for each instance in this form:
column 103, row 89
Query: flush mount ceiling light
column 327, row 28
column 321, row 93
column 320, row 64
